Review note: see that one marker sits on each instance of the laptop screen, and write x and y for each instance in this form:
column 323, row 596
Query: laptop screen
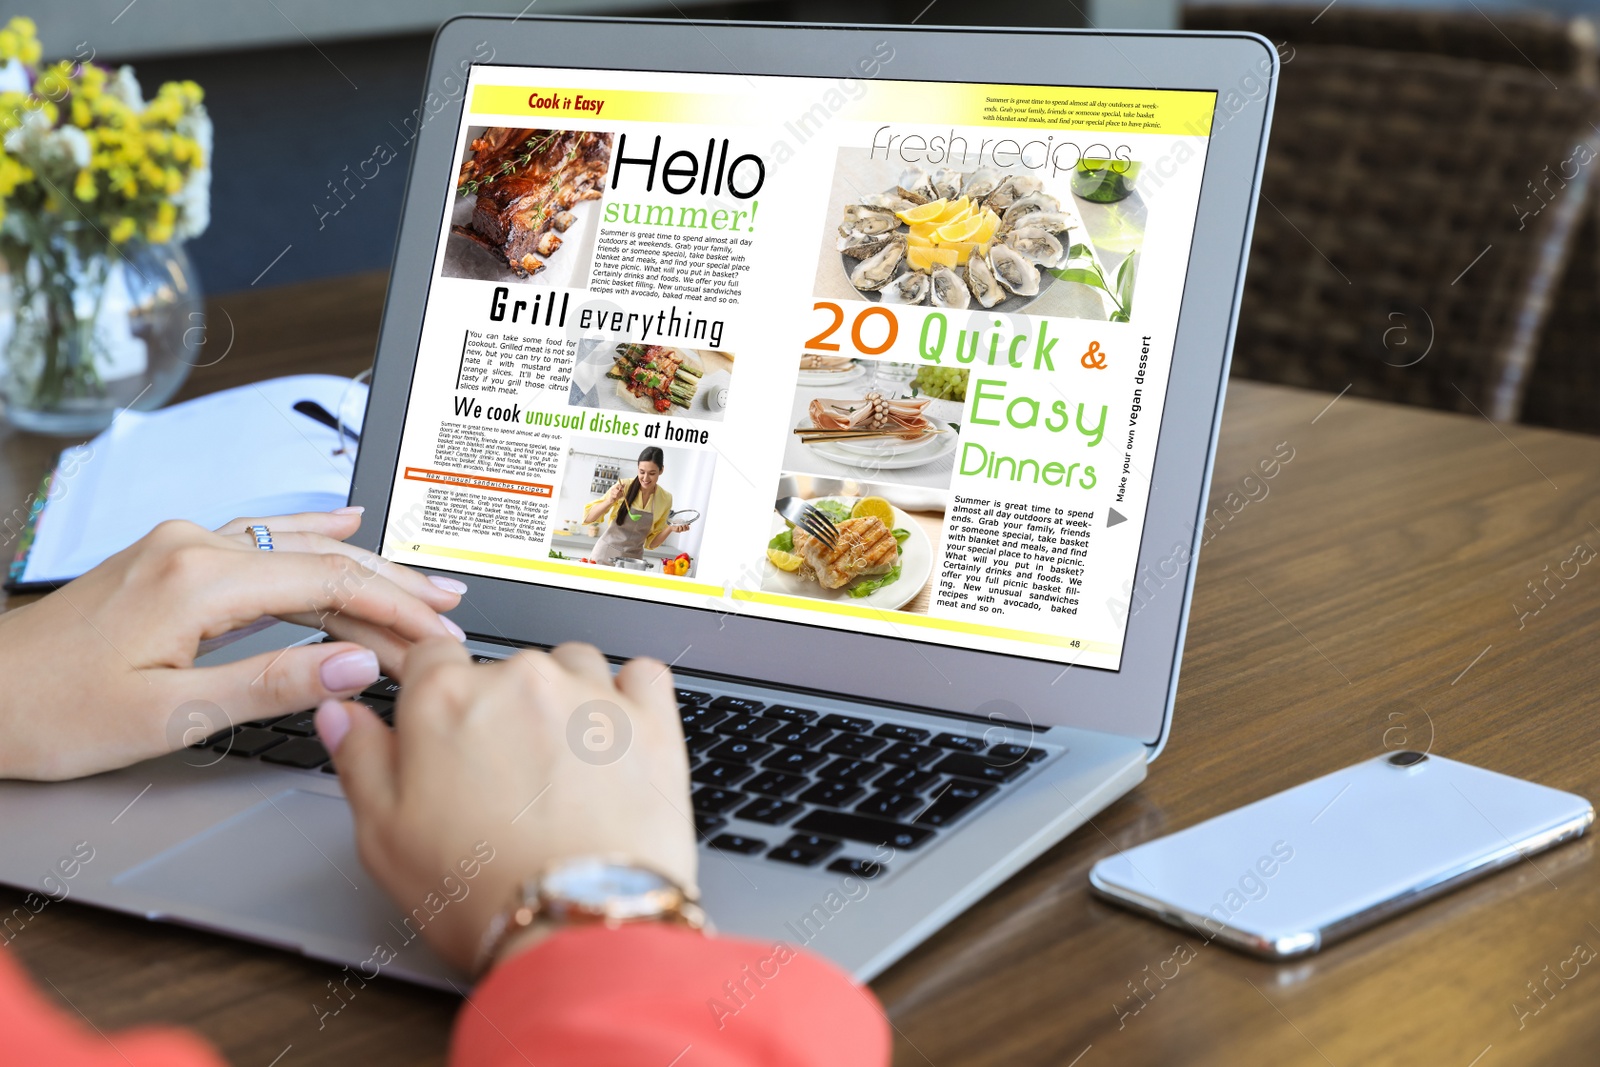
column 882, row 356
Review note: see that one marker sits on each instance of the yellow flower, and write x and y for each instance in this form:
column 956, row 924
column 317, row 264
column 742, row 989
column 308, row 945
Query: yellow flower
column 83, row 187
column 124, row 230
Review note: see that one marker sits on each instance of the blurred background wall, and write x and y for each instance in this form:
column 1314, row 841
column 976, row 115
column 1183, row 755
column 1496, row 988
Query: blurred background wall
column 1423, row 192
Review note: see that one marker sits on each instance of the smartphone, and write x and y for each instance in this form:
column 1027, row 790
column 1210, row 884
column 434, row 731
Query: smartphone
column 1301, row 869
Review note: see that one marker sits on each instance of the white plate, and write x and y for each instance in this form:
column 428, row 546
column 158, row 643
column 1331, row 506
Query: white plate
column 916, row 567
column 937, row 449
column 820, row 378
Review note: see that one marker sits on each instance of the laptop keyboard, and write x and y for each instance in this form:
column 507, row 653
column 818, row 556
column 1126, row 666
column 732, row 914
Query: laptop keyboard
column 787, row 783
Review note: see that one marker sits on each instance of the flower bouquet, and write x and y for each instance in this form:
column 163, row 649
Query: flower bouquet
column 98, row 188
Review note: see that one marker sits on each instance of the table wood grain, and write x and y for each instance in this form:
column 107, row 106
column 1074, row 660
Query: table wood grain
column 1373, row 594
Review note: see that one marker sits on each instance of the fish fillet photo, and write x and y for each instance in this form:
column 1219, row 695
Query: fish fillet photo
column 862, row 543
column 523, row 206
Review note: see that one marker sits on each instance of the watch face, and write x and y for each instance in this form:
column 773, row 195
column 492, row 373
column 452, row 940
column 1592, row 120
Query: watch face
column 594, row 885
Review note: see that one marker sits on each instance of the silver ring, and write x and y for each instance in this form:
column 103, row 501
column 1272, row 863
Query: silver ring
column 263, row 537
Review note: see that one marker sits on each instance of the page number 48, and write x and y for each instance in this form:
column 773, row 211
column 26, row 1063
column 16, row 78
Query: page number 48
column 859, row 328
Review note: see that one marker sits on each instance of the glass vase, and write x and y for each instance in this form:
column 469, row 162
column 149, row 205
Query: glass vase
column 87, row 330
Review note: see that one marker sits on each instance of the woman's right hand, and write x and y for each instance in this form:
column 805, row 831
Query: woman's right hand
column 616, row 493
column 544, row 757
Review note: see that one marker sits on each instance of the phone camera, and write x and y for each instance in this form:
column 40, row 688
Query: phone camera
column 1407, row 758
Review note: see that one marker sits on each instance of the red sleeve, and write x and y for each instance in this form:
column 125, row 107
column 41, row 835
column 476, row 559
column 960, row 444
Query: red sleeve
column 33, row 1031
column 652, row 994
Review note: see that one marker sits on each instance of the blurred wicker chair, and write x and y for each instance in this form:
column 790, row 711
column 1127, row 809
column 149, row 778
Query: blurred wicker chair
column 1390, row 220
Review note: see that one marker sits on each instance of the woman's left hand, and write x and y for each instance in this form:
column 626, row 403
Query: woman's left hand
column 100, row 673
column 678, row 529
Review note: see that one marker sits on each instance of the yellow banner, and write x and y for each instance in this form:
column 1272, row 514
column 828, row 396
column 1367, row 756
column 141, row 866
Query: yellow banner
column 1042, row 107
column 585, row 570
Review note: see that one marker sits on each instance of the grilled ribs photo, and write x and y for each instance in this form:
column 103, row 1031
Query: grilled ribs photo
column 526, row 182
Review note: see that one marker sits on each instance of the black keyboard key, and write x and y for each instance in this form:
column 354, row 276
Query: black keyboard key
column 909, row 755
column 383, row 709
column 706, row 824
column 886, row 804
column 740, row 705
column 700, row 718
column 978, row 768
column 715, row 801
column 799, row 735
column 854, row 771
column 716, row 772
column 216, row 739
column 264, row 723
column 832, row 794
column 867, row 869
column 302, row 752
column 896, row 732
column 1005, row 755
column 383, row 687
column 746, row 726
column 960, row 742
column 952, row 802
column 769, row 810
column 856, row 746
column 862, row 828
column 906, row 780
column 794, row 760
column 776, row 783
column 845, row 722
column 689, row 696
column 328, row 768
column 804, row 850
column 788, row 714
column 301, row 724
column 699, row 743
column 744, row 846
column 248, row 741
column 740, row 749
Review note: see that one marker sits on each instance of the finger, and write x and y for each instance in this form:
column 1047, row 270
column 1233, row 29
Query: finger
column 277, row 683
column 648, row 683
column 242, row 586
column 390, row 647
column 439, row 592
column 363, row 751
column 583, row 660
column 438, row 683
column 339, row 523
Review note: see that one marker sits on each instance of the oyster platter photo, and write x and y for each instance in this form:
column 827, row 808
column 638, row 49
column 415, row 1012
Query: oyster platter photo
column 963, row 239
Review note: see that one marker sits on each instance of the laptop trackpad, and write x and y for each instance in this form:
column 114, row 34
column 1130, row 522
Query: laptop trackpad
column 285, row 869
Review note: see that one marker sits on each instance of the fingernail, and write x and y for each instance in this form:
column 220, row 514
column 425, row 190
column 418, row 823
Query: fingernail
column 352, row 509
column 449, row 585
column 355, row 669
column 333, row 722
column 455, row 631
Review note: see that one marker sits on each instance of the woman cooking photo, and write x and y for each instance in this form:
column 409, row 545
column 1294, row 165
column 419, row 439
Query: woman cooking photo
column 635, row 514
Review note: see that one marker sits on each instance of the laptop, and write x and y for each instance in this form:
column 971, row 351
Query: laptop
column 923, row 333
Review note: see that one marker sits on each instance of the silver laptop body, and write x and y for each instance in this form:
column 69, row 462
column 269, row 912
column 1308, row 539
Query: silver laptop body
column 264, row 851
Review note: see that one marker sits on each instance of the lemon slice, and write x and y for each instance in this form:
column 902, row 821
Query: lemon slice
column 874, row 507
column 784, row 561
column 965, row 230
column 989, row 223
column 926, row 259
column 956, row 209
column 923, row 212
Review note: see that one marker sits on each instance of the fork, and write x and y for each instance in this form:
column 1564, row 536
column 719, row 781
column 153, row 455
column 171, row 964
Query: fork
column 810, row 519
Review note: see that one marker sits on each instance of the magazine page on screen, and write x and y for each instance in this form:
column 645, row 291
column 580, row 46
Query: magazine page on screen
column 672, row 316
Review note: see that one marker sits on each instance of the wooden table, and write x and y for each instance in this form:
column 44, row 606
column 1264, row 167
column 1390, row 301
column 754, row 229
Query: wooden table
column 1375, row 597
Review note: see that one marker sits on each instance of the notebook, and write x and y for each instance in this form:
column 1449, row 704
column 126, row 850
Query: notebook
column 245, row 451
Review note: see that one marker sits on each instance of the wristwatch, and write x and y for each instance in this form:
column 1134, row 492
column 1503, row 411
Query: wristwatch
column 591, row 889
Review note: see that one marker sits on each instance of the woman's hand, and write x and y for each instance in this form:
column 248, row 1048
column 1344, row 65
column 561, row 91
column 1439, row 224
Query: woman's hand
column 96, row 673
column 538, row 759
column 616, row 492
column 680, row 528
